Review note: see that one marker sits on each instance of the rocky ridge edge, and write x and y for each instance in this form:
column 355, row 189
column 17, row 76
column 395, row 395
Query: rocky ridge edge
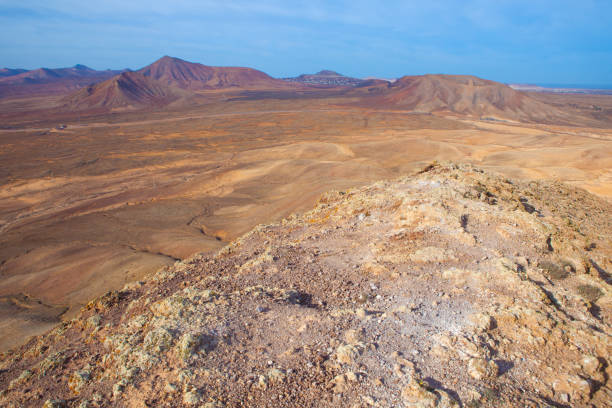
column 452, row 287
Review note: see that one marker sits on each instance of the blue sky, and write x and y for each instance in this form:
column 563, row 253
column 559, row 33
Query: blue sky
column 533, row 41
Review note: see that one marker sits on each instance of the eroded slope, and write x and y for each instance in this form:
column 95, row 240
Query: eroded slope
column 453, row 287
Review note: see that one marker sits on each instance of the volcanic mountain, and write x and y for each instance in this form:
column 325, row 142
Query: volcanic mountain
column 126, row 90
column 7, row 72
column 459, row 94
column 326, row 78
column 194, row 76
column 48, row 81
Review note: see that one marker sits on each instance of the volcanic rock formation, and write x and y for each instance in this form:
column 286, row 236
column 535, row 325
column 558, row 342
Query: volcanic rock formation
column 453, row 287
column 460, row 95
column 194, row 76
column 47, row 81
column 326, row 78
column 6, row 72
column 129, row 89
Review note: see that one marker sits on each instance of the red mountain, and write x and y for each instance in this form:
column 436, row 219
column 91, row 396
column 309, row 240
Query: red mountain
column 459, row 94
column 126, row 90
column 7, row 72
column 47, row 81
column 42, row 75
column 194, row 76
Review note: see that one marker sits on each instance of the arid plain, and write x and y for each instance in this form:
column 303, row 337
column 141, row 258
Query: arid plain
column 113, row 196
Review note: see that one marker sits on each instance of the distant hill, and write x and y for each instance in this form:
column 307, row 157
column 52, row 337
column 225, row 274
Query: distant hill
column 194, row 76
column 51, row 81
column 126, row 90
column 165, row 81
column 43, row 75
column 459, row 94
column 7, row 72
column 326, row 78
column 563, row 89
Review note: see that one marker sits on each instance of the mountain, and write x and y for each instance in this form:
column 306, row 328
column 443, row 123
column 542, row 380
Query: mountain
column 42, row 75
column 126, row 90
column 562, row 89
column 193, row 76
column 450, row 288
column 462, row 95
column 51, row 81
column 326, row 78
column 6, row 72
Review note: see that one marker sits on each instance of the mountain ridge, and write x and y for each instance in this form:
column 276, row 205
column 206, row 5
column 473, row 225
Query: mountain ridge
column 325, row 78
column 195, row 76
column 433, row 290
column 462, row 95
column 126, row 90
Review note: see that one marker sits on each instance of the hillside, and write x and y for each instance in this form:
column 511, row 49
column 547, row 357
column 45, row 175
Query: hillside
column 452, row 287
column 41, row 75
column 462, row 95
column 193, row 76
column 126, row 90
column 6, row 72
column 326, row 78
column 48, row 81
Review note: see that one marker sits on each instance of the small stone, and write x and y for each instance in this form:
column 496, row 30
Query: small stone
column 276, row 375
column 371, row 401
column 591, row 365
column 78, row 380
column 347, row 353
column 351, row 376
column 261, row 309
column 339, row 383
column 54, row 403
column 93, row 322
column 191, row 397
column 416, row 395
column 482, row 322
column 576, row 387
column 361, row 313
column 474, row 395
column 213, row 404
column 353, row 336
column 118, row 389
column 158, row 340
column 479, row 368
column 262, row 382
column 170, row 388
column 188, row 345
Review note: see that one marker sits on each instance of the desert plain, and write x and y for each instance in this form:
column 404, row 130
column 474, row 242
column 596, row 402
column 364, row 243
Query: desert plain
column 91, row 200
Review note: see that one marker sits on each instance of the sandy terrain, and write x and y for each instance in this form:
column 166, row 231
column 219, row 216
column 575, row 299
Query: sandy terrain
column 114, row 197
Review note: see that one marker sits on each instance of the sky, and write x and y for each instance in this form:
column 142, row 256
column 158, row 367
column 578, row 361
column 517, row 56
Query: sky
column 512, row 41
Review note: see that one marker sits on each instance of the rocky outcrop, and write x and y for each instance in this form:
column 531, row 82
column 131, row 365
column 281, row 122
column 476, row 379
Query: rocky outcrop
column 442, row 289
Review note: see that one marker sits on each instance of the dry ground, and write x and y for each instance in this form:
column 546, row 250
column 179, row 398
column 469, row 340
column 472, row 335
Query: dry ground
column 112, row 198
column 450, row 288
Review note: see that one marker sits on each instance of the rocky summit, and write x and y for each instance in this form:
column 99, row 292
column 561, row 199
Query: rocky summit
column 449, row 288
